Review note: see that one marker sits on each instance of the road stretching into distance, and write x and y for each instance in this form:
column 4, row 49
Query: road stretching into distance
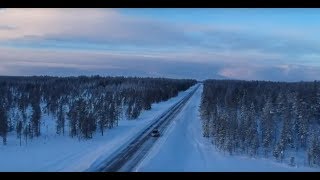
column 128, row 157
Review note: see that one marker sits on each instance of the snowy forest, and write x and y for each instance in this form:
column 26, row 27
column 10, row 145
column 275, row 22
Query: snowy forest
column 264, row 119
column 81, row 106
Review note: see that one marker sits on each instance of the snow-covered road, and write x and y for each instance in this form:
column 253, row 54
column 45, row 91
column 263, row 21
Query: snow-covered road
column 127, row 157
column 183, row 148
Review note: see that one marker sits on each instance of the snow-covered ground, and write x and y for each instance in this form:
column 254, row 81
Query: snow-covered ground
column 52, row 152
column 182, row 148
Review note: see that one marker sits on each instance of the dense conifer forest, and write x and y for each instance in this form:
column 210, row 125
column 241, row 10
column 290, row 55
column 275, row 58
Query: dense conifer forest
column 270, row 119
column 81, row 106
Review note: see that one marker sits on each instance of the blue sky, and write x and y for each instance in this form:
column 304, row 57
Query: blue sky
column 251, row 44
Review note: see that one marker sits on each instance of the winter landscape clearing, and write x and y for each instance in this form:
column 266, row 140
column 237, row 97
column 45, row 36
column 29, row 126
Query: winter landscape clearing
column 159, row 89
column 181, row 147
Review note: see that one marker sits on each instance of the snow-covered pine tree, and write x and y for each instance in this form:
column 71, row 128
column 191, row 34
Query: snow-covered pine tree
column 267, row 126
column 60, row 119
column 19, row 129
column 3, row 123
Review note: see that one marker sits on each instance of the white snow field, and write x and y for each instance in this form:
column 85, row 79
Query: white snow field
column 183, row 148
column 51, row 152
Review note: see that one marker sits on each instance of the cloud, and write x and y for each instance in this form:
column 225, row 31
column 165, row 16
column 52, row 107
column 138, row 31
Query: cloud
column 237, row 72
column 62, row 63
column 66, row 63
column 285, row 72
column 93, row 41
column 264, row 43
column 109, row 28
column 2, row 27
column 42, row 22
column 87, row 25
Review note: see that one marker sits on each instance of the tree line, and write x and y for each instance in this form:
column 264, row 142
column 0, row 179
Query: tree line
column 272, row 119
column 81, row 106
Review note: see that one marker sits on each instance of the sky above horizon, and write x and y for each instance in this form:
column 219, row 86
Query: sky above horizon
column 249, row 44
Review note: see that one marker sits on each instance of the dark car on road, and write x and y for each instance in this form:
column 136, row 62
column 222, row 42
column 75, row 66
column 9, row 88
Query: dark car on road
column 155, row 133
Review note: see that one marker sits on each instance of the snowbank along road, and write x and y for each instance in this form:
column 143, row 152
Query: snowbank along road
column 129, row 156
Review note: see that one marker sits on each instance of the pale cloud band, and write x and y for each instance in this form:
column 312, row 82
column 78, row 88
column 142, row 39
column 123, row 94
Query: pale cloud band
column 65, row 63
